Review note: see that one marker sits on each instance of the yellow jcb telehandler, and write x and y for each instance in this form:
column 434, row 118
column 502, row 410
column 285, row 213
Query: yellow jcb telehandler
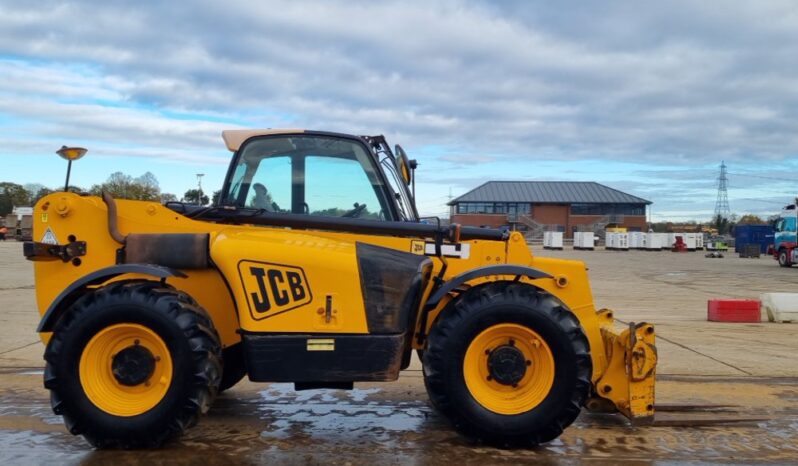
column 314, row 268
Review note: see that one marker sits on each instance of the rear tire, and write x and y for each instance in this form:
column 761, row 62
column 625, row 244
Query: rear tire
column 469, row 371
column 125, row 407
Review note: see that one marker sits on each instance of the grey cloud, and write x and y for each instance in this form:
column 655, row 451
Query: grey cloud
column 676, row 79
column 677, row 83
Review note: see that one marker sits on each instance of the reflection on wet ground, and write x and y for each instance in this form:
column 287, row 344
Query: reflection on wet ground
column 392, row 424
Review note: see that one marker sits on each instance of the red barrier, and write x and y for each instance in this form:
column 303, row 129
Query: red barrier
column 733, row 310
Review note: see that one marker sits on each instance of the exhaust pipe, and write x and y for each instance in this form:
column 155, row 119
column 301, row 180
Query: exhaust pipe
column 113, row 227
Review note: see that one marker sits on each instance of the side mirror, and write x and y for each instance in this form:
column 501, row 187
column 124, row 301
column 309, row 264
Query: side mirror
column 404, row 164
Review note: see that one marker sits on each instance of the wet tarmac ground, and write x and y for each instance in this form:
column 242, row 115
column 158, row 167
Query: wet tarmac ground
column 393, row 424
column 726, row 393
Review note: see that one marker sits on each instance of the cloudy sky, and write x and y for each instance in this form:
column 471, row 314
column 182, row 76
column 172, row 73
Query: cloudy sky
column 646, row 97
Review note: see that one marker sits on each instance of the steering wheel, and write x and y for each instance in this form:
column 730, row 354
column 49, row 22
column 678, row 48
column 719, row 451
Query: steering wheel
column 354, row 213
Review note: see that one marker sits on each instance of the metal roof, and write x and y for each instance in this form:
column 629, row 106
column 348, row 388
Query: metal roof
column 548, row 192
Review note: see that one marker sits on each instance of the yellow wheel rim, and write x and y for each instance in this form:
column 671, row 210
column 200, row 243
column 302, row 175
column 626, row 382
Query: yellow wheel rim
column 101, row 385
column 526, row 393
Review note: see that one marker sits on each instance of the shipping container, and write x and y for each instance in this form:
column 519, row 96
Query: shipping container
column 761, row 235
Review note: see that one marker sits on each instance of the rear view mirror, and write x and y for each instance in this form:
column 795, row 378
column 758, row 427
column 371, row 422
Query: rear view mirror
column 404, row 164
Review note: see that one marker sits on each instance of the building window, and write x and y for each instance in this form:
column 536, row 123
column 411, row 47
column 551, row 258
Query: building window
column 588, row 209
column 608, row 209
column 525, row 208
column 631, row 209
column 513, row 208
column 480, row 208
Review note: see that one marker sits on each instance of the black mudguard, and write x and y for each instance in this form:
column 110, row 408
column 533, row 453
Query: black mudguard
column 505, row 269
column 62, row 302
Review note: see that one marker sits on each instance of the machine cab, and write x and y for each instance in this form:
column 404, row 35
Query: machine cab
column 318, row 174
column 786, row 227
column 320, row 323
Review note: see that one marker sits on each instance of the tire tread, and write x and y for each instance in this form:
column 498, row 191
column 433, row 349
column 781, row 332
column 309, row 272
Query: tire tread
column 195, row 324
column 448, row 326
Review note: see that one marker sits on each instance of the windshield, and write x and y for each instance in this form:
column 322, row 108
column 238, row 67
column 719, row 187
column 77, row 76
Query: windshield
column 309, row 174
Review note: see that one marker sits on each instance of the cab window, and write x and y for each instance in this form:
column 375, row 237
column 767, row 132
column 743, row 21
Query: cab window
column 312, row 175
column 270, row 188
column 335, row 187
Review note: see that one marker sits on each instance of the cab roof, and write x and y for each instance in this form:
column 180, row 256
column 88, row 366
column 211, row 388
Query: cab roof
column 233, row 138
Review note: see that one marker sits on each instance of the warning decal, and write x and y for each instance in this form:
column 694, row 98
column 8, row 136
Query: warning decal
column 49, row 237
column 422, row 248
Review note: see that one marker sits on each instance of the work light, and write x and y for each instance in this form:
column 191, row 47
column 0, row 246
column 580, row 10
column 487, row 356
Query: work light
column 70, row 154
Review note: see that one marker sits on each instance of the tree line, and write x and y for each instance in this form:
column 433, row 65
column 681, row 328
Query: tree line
column 723, row 225
column 118, row 184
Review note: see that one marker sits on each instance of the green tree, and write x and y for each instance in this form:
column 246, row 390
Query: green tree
column 336, row 212
column 168, row 197
column 721, row 224
column 12, row 195
column 751, row 219
column 148, row 186
column 123, row 186
column 33, row 189
column 724, row 225
column 41, row 193
column 192, row 196
column 660, row 227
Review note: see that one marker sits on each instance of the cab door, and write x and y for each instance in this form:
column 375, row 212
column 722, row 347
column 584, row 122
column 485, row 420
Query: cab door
column 317, row 306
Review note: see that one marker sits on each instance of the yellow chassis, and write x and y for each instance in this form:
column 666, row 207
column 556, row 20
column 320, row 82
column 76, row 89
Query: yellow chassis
column 623, row 361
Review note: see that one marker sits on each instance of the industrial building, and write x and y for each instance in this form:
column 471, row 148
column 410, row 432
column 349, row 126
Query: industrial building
column 537, row 206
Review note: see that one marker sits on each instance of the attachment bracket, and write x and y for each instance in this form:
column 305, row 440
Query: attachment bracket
column 35, row 251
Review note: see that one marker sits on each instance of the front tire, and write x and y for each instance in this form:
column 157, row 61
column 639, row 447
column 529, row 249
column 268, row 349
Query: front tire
column 784, row 259
column 508, row 364
column 132, row 365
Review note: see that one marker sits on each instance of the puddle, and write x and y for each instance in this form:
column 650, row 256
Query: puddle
column 327, row 414
column 278, row 425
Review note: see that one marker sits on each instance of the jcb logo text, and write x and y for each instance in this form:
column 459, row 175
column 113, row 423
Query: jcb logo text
column 272, row 288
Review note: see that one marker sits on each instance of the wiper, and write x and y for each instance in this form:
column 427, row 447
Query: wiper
column 214, row 209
